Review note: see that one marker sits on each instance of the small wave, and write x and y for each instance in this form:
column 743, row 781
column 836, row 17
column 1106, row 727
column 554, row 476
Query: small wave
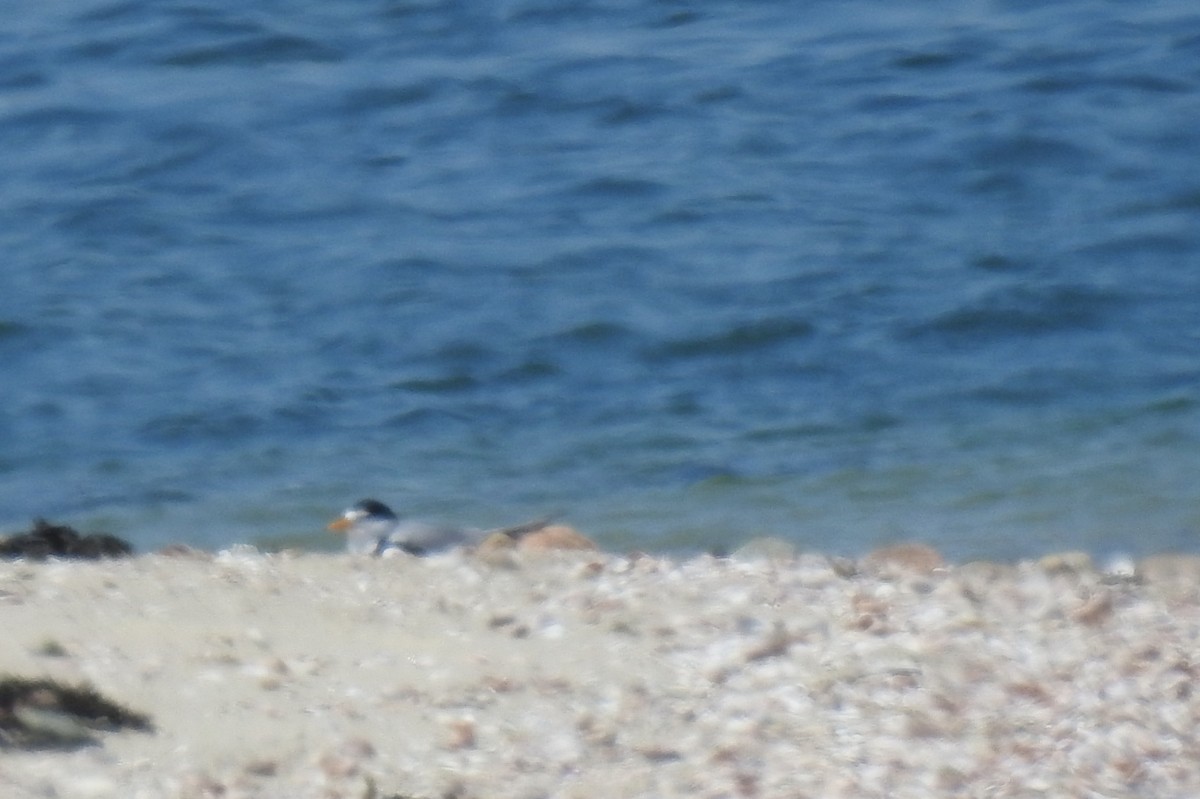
column 372, row 98
column 791, row 432
column 1152, row 244
column 596, row 332
column 215, row 425
column 1031, row 387
column 261, row 49
column 442, row 384
column 1019, row 312
column 937, row 58
column 616, row 187
column 418, row 419
column 1010, row 153
column 1173, row 405
column 463, row 352
column 311, row 408
column 11, row 329
column 589, row 258
column 14, row 75
column 530, row 369
column 736, row 340
column 53, row 120
column 1079, row 81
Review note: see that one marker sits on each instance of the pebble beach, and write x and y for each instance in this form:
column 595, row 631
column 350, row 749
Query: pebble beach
column 582, row 674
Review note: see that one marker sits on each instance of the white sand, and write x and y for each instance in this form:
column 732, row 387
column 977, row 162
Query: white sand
column 586, row 675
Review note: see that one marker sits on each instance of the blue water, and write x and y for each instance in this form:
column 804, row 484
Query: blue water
column 684, row 273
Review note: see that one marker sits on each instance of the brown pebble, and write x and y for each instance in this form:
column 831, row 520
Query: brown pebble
column 555, row 537
column 1066, row 563
column 202, row 785
column 1170, row 568
column 347, row 759
column 1095, row 610
column 497, row 550
column 746, row 783
column 501, row 685
column 592, row 568
column 461, row 734
column 496, row 542
column 184, row 551
column 777, row 642
column 501, row 620
column 1028, row 689
column 765, row 548
column 261, row 768
column 338, row 766
column 910, row 556
column 659, row 754
column 52, row 649
column 843, row 567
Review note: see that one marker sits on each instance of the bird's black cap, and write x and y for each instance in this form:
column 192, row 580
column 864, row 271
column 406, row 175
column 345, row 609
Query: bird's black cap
column 373, row 507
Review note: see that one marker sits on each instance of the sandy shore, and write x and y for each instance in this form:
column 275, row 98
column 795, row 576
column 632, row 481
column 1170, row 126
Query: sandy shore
column 586, row 675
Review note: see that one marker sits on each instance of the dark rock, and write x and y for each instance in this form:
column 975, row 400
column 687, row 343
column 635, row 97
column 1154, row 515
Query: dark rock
column 45, row 714
column 47, row 540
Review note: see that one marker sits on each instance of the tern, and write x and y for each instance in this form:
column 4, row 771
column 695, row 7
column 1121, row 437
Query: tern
column 372, row 528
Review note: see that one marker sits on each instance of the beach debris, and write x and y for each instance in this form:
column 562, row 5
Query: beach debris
column 347, row 759
column 48, row 540
column 178, row 550
column 776, row 643
column 657, row 753
column 495, row 547
column 460, row 734
column 555, row 537
column 1072, row 562
column 909, row 556
column 1175, row 573
column 1096, row 609
column 200, row 784
column 42, row 713
column 771, row 548
column 1170, row 566
column 843, row 567
column 371, row 791
column 496, row 550
column 263, row 767
column 51, row 648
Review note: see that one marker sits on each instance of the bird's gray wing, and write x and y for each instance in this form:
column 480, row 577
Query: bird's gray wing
column 518, row 530
column 419, row 538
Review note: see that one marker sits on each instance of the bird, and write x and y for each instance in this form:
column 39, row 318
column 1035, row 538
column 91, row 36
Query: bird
column 372, row 528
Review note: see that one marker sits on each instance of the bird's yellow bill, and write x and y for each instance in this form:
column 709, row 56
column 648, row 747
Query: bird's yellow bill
column 339, row 525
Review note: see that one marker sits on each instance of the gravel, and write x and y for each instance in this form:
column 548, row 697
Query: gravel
column 587, row 675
